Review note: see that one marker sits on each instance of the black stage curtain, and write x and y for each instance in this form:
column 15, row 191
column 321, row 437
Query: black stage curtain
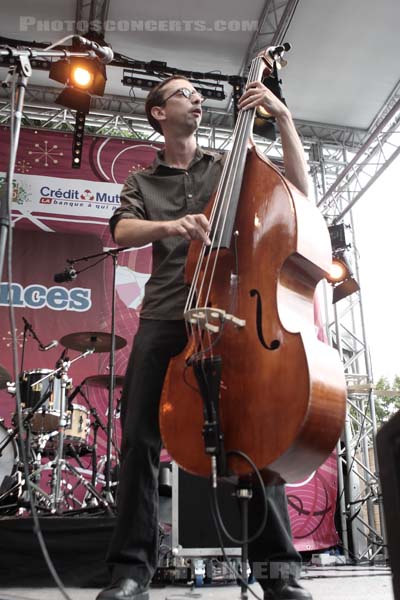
column 77, row 545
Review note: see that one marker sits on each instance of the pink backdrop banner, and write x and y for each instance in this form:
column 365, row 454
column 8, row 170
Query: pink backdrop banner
column 62, row 213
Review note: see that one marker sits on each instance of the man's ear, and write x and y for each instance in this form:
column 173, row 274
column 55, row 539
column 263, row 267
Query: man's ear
column 158, row 113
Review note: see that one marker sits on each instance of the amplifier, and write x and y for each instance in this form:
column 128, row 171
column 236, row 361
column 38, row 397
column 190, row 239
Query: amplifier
column 193, row 529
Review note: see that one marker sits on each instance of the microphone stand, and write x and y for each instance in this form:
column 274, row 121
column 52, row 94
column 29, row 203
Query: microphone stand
column 29, row 327
column 19, row 75
column 26, row 328
column 114, row 255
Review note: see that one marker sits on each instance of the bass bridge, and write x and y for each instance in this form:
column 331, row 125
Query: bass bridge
column 212, row 319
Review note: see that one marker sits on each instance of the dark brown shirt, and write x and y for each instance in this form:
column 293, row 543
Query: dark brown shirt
column 163, row 193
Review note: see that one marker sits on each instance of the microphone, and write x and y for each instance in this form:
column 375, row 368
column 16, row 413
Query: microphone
column 103, row 53
column 49, row 346
column 67, row 275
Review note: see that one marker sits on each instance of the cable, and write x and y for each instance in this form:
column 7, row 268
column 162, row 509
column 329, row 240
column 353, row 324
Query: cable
column 220, row 526
column 238, row 576
column 36, row 523
column 264, row 495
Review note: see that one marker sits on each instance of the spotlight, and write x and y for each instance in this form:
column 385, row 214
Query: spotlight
column 262, row 113
column 83, row 78
column 345, row 289
column 341, row 277
column 340, row 269
column 74, row 99
column 264, row 126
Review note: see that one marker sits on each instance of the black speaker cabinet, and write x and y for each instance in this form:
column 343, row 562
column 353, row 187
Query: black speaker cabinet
column 193, row 531
column 388, row 449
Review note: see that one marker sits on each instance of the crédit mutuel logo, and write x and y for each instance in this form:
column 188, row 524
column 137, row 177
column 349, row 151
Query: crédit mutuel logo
column 77, row 197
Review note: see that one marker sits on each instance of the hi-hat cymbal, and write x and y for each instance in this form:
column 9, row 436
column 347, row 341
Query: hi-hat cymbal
column 99, row 341
column 4, row 377
column 104, row 381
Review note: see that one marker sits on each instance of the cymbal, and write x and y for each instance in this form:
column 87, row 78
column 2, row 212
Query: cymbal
column 4, row 377
column 86, row 340
column 104, row 380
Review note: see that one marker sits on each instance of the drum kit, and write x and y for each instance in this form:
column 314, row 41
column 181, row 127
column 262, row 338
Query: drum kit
column 57, row 435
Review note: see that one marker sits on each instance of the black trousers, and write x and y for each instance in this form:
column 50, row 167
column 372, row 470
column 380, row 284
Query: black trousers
column 134, row 545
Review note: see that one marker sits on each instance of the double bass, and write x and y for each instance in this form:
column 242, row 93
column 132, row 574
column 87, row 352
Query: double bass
column 254, row 380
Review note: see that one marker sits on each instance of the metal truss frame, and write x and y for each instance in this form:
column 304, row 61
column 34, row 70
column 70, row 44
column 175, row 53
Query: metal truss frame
column 123, row 116
column 341, row 176
column 272, row 26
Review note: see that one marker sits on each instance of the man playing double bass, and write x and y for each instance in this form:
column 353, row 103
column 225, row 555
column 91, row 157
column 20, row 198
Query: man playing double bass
column 163, row 205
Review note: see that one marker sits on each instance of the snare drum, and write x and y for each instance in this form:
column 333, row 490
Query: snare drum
column 48, row 392
column 77, row 430
column 31, row 391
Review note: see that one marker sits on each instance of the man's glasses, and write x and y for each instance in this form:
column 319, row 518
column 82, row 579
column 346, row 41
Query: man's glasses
column 184, row 92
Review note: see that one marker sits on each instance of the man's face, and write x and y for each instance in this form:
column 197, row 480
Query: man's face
column 178, row 112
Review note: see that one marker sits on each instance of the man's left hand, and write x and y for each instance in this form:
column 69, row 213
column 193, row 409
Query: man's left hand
column 257, row 94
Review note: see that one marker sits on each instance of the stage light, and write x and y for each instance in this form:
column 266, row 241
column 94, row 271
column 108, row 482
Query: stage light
column 74, row 99
column 344, row 289
column 338, row 237
column 77, row 144
column 83, row 78
column 264, row 126
column 341, row 277
column 340, row 270
column 238, row 87
column 340, row 274
column 133, row 78
column 263, row 113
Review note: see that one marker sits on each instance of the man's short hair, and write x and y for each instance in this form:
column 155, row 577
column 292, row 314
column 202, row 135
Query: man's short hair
column 156, row 98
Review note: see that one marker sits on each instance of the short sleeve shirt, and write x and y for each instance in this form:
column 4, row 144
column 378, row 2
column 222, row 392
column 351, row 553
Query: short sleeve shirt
column 164, row 193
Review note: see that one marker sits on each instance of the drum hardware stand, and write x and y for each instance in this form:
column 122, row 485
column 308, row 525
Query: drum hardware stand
column 58, row 464
column 103, row 255
column 12, row 434
column 96, row 424
column 75, row 455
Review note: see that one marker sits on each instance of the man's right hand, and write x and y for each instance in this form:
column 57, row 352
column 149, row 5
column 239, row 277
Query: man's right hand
column 139, row 232
column 191, row 227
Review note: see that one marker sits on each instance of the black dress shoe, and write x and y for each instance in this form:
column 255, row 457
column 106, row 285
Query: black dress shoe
column 290, row 589
column 124, row 589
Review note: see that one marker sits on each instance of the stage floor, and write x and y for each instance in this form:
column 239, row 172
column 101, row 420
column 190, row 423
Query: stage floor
column 338, row 583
